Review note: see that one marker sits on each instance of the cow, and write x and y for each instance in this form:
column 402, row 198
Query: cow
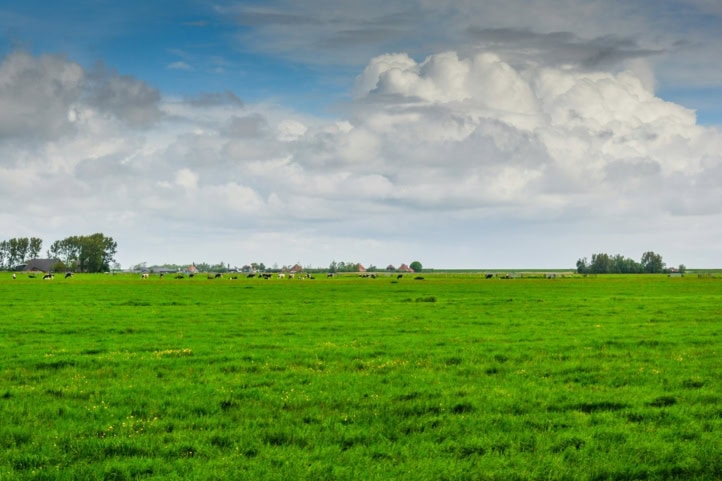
column 180, row 276
column 144, row 276
column 489, row 276
column 281, row 275
column 47, row 277
column 251, row 275
column 68, row 274
column 399, row 276
column 14, row 276
column 219, row 276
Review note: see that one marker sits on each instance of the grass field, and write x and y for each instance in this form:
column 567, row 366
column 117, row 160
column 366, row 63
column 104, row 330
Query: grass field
column 446, row 378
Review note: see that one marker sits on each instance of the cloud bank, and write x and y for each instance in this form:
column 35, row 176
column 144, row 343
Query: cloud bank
column 459, row 159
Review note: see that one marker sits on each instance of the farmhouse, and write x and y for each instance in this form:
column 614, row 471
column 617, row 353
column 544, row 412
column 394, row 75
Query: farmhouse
column 296, row 269
column 404, row 268
column 390, row 268
column 361, row 268
column 39, row 265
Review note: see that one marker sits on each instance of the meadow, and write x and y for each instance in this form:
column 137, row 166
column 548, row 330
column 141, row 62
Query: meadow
column 453, row 377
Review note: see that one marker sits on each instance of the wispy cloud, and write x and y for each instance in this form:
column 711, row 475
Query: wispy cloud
column 179, row 65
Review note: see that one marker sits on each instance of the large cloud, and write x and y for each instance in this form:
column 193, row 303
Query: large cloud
column 464, row 143
column 43, row 97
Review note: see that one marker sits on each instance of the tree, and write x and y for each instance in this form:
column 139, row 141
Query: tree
column 416, row 266
column 92, row 253
column 3, row 254
column 67, row 250
column 582, row 266
column 652, row 263
column 36, row 245
column 600, row 263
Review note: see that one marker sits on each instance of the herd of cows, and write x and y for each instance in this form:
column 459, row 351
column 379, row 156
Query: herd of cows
column 284, row 275
column 266, row 275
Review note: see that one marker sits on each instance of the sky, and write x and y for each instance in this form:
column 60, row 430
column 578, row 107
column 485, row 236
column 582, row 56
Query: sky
column 460, row 134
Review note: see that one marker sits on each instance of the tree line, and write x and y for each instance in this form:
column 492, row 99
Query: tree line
column 650, row 263
column 84, row 253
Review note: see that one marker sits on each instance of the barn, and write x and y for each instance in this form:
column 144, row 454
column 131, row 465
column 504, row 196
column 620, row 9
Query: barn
column 39, row 265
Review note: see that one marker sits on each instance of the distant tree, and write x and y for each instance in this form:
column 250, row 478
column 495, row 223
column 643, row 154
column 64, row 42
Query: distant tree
column 605, row 264
column 624, row 265
column 59, row 267
column 3, row 254
column 91, row 253
column 18, row 250
column 220, row 267
column 203, row 267
column 96, row 253
column 416, row 266
column 67, row 250
column 652, row 263
column 600, row 263
column 682, row 269
column 333, row 267
column 35, row 246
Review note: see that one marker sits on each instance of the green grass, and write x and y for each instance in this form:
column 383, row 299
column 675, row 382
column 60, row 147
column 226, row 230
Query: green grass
column 446, row 378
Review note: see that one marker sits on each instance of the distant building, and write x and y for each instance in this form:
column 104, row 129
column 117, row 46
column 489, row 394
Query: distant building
column 361, row 268
column 404, row 268
column 40, row 265
column 297, row 268
column 390, row 268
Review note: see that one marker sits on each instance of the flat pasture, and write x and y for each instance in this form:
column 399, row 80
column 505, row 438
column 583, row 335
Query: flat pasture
column 453, row 377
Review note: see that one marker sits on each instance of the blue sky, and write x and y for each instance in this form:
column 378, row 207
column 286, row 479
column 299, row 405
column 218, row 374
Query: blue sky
column 377, row 132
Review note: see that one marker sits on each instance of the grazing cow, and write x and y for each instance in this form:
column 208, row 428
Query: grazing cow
column 418, row 278
column 144, row 276
column 233, row 278
column 161, row 275
column 251, row 275
column 399, row 276
column 219, row 276
column 14, row 276
column 179, row 276
column 190, row 276
column 373, row 276
column 68, row 274
column 281, row 275
column 291, row 276
column 330, row 274
column 48, row 277
column 489, row 276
